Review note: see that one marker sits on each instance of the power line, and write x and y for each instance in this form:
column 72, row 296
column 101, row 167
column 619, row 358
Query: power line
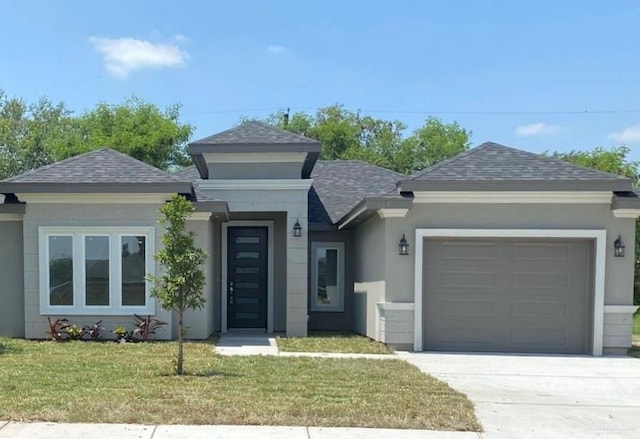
column 425, row 112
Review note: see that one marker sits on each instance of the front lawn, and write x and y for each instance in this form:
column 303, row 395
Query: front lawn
column 635, row 349
column 133, row 383
column 340, row 342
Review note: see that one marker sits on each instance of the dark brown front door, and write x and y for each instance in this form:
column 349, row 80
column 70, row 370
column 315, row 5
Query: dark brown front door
column 247, row 277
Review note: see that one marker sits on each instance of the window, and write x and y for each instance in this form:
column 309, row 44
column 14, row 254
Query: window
column 327, row 276
column 95, row 270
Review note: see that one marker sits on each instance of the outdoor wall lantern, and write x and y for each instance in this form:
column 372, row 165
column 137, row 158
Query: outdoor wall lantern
column 618, row 247
column 404, row 246
column 297, row 229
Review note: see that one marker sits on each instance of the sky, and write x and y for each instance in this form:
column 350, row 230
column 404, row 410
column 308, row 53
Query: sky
column 537, row 75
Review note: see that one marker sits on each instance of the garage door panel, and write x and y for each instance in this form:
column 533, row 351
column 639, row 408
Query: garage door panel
column 532, row 252
column 525, row 296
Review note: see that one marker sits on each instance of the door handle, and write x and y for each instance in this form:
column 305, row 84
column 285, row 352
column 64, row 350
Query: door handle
column 230, row 293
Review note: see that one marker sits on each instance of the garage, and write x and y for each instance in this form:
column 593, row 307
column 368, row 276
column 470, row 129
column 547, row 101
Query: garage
column 491, row 294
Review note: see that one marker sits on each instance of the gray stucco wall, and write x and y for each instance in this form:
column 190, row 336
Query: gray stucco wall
column 200, row 323
column 335, row 321
column 11, row 279
column 619, row 271
column 369, row 274
column 225, row 171
column 81, row 215
column 289, row 206
column 216, row 259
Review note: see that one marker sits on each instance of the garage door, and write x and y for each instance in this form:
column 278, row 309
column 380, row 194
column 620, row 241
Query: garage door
column 506, row 295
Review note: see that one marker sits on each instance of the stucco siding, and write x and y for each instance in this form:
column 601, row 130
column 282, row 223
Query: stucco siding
column 224, row 171
column 619, row 272
column 80, row 215
column 11, row 276
column 369, row 259
column 292, row 204
column 199, row 323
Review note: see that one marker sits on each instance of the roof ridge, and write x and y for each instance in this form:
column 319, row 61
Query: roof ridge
column 553, row 159
column 399, row 174
column 442, row 163
column 274, row 129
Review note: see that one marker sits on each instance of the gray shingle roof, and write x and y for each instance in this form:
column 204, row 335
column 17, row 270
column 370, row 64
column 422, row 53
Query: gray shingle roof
column 492, row 161
column 190, row 174
column 339, row 185
column 254, row 132
column 99, row 166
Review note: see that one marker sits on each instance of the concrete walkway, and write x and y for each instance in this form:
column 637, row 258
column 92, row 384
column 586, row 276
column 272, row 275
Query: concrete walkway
column 16, row 430
column 537, row 396
column 261, row 343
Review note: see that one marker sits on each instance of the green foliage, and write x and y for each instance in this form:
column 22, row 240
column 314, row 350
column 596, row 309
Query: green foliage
column 180, row 285
column 615, row 161
column 123, row 334
column 74, row 332
column 612, row 160
column 33, row 135
column 351, row 135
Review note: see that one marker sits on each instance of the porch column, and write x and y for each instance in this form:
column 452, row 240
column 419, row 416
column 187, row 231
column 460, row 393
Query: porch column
column 297, row 272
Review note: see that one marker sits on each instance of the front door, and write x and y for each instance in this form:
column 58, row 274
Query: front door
column 247, row 277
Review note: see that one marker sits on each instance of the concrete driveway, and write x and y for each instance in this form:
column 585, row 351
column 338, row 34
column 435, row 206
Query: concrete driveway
column 544, row 396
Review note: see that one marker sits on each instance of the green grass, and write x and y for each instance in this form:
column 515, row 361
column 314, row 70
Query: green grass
column 635, row 348
column 134, row 383
column 340, row 342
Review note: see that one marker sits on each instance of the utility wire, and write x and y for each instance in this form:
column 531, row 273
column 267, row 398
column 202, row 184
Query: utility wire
column 425, row 112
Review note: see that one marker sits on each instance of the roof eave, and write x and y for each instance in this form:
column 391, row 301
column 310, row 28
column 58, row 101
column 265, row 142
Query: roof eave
column 368, row 207
column 86, row 188
column 618, row 185
column 218, row 209
column 202, row 148
column 12, row 208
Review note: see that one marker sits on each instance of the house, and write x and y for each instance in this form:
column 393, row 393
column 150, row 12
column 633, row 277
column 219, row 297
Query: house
column 505, row 251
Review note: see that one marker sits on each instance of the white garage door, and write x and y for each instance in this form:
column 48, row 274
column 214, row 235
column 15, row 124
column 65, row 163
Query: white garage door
column 507, row 295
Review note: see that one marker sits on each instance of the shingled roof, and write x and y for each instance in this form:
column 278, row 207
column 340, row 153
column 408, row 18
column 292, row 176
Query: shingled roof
column 340, row 185
column 510, row 169
column 102, row 167
column 254, row 132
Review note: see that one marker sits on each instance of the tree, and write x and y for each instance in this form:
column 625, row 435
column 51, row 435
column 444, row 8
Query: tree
column 137, row 128
column 34, row 135
column 615, row 161
column 180, row 285
column 351, row 135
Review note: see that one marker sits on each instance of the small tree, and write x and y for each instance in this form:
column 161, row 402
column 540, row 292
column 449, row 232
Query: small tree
column 179, row 287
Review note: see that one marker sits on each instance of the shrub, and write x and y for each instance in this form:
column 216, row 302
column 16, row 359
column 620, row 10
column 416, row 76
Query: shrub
column 74, row 332
column 123, row 335
column 56, row 328
column 146, row 326
column 94, row 332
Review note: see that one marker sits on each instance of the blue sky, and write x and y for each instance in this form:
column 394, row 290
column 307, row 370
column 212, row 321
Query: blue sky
column 532, row 74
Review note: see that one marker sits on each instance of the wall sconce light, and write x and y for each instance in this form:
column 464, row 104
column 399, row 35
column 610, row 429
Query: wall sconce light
column 297, row 229
column 404, row 246
column 618, row 247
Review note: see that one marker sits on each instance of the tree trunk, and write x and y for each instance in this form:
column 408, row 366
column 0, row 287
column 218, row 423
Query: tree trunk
column 180, row 360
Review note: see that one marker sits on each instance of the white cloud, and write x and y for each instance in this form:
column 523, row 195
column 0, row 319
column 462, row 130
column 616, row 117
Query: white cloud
column 536, row 129
column 124, row 55
column 276, row 49
column 181, row 38
column 628, row 135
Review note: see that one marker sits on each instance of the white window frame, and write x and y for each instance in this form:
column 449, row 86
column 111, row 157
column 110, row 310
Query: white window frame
column 313, row 305
column 78, row 235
